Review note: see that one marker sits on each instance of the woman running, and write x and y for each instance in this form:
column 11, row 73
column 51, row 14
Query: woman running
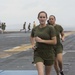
column 44, row 36
column 58, row 47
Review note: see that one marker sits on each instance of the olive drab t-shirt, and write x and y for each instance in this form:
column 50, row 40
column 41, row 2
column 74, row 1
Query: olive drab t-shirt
column 58, row 29
column 45, row 33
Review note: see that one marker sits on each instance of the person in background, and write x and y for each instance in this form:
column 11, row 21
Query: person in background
column 29, row 27
column 42, row 39
column 24, row 27
column 58, row 47
column 34, row 24
column 1, row 31
column 0, row 24
column 3, row 26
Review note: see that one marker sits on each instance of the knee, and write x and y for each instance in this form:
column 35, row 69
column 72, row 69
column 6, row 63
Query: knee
column 60, row 60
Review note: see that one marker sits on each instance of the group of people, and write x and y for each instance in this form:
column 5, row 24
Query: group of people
column 2, row 27
column 46, row 44
column 29, row 26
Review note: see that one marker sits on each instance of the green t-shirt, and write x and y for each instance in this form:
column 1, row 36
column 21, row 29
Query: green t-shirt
column 58, row 29
column 43, row 50
column 45, row 33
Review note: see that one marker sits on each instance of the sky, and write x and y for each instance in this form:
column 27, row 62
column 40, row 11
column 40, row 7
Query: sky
column 15, row 12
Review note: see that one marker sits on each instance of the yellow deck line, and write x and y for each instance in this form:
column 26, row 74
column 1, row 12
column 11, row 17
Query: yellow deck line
column 25, row 47
column 69, row 33
column 15, row 50
column 4, row 55
column 21, row 48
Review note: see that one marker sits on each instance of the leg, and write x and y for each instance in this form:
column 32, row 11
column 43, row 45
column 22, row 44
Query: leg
column 59, row 58
column 2, row 31
column 25, row 30
column 48, row 66
column 40, row 68
column 21, row 29
column 48, row 70
column 56, row 66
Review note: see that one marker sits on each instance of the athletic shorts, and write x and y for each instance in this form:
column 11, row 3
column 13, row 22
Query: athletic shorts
column 45, row 62
column 58, row 49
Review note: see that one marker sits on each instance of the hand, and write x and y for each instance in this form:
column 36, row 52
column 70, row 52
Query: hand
column 34, row 47
column 62, row 39
column 37, row 39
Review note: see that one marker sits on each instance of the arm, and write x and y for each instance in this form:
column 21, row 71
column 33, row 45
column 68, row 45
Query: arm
column 32, row 40
column 52, row 34
column 62, row 36
column 53, row 41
